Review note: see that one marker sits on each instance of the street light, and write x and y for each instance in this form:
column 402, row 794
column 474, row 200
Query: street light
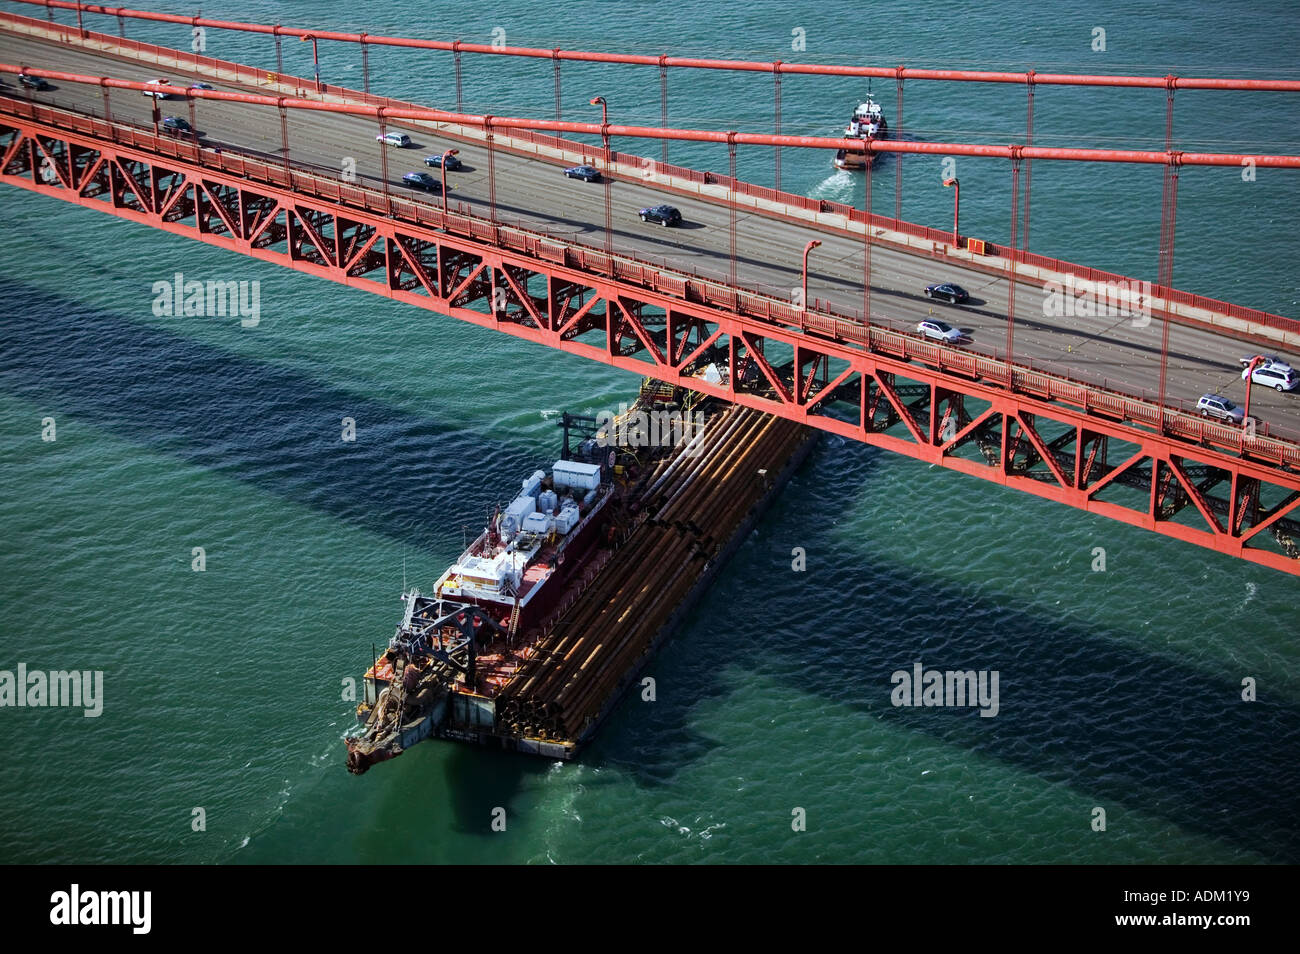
column 806, row 249
column 609, row 198
column 1250, row 375
column 449, row 152
column 315, row 58
column 956, row 209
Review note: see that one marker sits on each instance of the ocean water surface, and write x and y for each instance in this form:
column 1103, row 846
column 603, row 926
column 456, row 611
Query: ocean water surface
column 1119, row 690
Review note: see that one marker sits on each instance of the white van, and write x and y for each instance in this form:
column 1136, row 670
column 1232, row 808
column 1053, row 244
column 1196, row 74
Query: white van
column 1275, row 375
column 400, row 140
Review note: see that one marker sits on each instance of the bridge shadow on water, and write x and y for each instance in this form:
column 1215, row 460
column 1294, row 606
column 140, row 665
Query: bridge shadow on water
column 1128, row 728
column 274, row 428
column 1116, row 723
column 278, row 431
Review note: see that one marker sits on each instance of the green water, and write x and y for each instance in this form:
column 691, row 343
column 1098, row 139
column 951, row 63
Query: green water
column 224, row 690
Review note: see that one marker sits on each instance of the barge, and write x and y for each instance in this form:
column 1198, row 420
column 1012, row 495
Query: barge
column 531, row 637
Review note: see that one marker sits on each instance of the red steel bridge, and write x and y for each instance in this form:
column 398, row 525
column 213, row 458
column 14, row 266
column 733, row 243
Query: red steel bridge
column 522, row 250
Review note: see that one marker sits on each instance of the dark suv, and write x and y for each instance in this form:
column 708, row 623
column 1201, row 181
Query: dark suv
column 947, row 291
column 175, row 126
column 422, row 180
column 663, row 214
column 32, row 82
column 436, row 161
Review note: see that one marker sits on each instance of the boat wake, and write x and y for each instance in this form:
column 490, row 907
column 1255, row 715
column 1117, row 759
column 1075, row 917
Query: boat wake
column 837, row 187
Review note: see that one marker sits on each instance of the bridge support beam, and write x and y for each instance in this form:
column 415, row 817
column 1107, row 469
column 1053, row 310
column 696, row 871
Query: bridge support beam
column 898, row 159
column 776, row 120
column 866, row 247
column 1029, row 163
column 1093, row 450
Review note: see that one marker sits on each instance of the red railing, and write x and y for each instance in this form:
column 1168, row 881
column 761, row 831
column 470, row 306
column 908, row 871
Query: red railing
column 246, row 75
column 671, row 281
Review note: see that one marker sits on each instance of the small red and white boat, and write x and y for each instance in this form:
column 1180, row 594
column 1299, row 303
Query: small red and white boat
column 868, row 122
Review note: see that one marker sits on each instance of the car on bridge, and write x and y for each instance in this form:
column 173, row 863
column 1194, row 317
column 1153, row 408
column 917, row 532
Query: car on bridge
column 400, row 140
column 33, row 82
column 1266, row 361
column 663, row 214
column 161, row 89
column 422, row 180
column 585, row 173
column 436, row 161
column 200, row 86
column 175, row 126
column 1275, row 375
column 939, row 330
column 1216, row 405
column 947, row 291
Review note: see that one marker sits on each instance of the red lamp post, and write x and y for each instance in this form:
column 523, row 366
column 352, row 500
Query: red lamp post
column 604, row 115
column 609, row 183
column 443, row 170
column 315, row 58
column 956, row 210
column 806, row 249
column 1250, row 374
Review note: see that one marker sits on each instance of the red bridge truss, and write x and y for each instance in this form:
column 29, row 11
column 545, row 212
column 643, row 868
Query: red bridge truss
column 1094, row 449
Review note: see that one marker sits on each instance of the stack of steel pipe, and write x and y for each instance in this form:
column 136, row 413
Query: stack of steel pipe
column 693, row 506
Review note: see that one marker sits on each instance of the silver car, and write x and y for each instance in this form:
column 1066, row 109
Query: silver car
column 938, row 330
column 1216, row 405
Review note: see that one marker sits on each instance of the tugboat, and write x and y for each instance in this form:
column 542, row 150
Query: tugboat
column 867, row 122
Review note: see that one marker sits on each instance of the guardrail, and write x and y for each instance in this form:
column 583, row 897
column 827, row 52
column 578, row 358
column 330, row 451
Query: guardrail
column 252, row 76
column 670, row 281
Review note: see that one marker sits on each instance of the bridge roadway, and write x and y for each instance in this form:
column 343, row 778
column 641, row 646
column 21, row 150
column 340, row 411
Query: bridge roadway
column 533, row 193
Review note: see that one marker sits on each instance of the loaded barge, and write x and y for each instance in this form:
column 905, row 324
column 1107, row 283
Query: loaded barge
column 532, row 636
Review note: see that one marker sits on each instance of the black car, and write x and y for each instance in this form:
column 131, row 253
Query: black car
column 663, row 214
column 422, row 180
column 585, row 173
column 175, row 126
column 947, row 291
column 435, row 162
column 32, row 82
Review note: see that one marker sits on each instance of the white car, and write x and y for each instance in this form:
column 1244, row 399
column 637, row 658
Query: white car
column 1276, row 375
column 163, row 89
column 938, row 330
column 400, row 140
